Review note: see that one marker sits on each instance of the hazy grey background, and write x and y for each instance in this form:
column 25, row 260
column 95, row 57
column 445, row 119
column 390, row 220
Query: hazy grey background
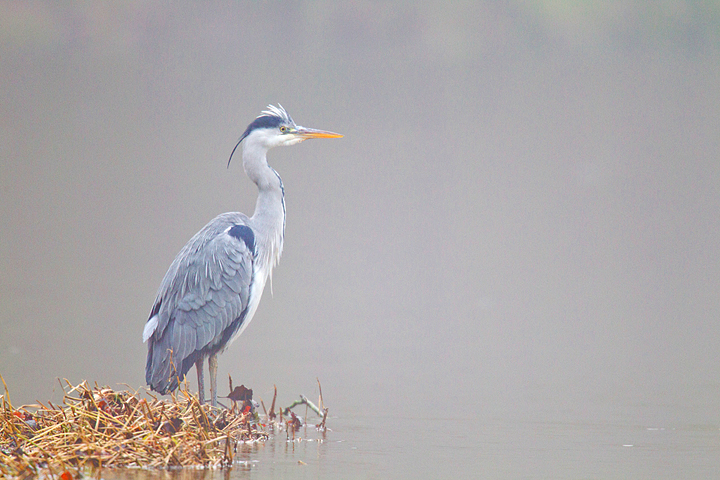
column 522, row 221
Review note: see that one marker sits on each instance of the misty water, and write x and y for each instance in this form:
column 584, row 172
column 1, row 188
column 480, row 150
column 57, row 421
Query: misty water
column 508, row 267
column 387, row 447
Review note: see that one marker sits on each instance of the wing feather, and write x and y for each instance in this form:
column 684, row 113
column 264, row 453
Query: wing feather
column 204, row 294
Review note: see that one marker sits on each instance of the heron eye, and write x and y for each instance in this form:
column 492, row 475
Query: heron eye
column 283, row 129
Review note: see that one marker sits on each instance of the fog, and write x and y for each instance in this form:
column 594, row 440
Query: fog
column 522, row 220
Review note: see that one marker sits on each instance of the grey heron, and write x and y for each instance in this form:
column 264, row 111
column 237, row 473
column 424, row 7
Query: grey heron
column 213, row 287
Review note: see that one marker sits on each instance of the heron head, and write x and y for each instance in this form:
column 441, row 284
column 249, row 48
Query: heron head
column 275, row 128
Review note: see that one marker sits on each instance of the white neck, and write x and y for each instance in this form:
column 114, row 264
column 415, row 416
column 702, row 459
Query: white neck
column 268, row 221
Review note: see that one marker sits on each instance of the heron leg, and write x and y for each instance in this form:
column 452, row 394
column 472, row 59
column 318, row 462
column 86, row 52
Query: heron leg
column 201, row 380
column 212, row 366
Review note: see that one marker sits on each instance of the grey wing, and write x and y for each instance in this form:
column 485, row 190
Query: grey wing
column 202, row 301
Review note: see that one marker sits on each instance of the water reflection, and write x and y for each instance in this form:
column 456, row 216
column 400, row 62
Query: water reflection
column 466, row 448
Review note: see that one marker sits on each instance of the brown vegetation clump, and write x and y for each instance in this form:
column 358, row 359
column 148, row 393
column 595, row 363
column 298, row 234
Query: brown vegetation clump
column 100, row 427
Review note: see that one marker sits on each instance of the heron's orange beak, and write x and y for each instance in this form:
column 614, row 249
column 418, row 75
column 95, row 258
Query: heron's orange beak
column 306, row 133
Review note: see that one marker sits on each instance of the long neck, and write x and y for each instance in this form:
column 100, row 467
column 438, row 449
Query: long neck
column 268, row 221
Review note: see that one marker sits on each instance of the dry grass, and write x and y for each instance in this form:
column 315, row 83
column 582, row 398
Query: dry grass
column 99, row 427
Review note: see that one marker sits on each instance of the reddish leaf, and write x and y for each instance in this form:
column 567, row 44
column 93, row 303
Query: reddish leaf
column 172, row 426
column 241, row 394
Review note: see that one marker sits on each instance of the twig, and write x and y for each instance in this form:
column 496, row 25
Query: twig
column 271, row 415
column 304, row 401
column 322, row 405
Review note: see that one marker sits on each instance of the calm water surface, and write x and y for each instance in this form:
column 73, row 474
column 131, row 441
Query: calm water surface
column 385, row 447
